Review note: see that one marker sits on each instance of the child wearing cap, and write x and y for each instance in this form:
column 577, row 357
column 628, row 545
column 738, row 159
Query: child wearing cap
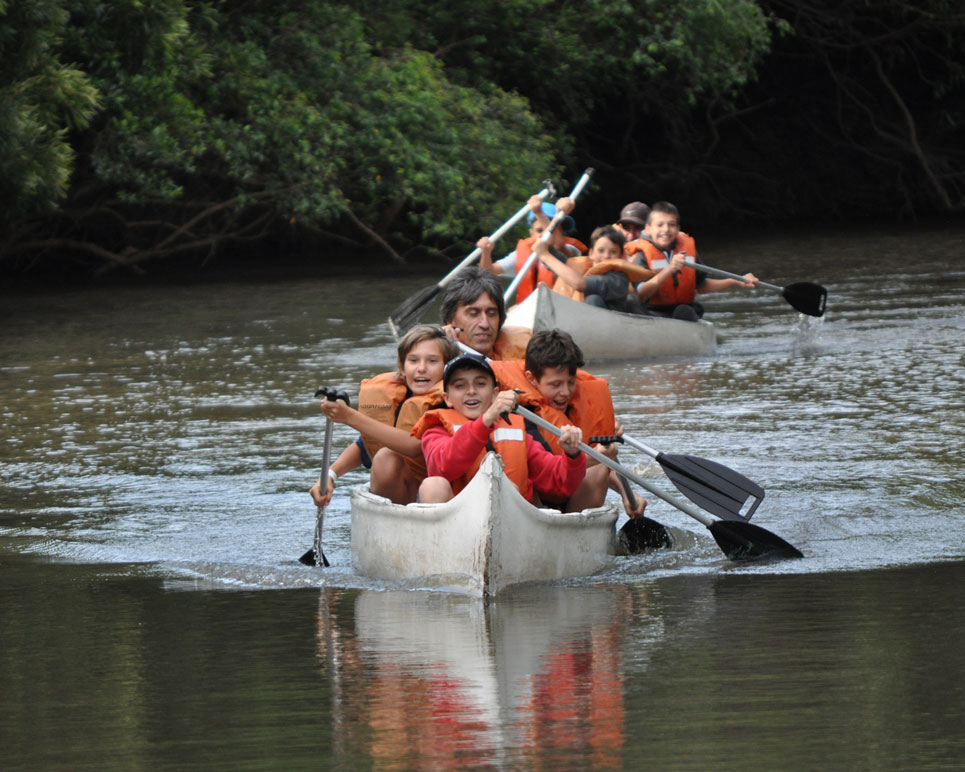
column 565, row 246
column 456, row 439
column 633, row 218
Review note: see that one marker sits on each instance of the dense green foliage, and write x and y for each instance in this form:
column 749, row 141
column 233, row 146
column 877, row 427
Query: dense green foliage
column 40, row 99
column 135, row 131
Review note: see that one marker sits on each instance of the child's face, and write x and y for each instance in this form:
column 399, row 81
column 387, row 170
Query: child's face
column 604, row 249
column 423, row 366
column 556, row 384
column 556, row 240
column 663, row 229
column 470, row 392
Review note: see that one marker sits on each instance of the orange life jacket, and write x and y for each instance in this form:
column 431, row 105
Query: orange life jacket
column 511, row 343
column 508, row 441
column 679, row 288
column 388, row 400
column 538, row 273
column 584, row 266
column 591, row 407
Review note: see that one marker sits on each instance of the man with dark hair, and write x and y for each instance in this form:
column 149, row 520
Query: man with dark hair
column 473, row 312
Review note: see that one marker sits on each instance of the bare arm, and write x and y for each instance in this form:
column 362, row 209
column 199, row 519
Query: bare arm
column 572, row 277
column 718, row 285
column 349, row 459
column 486, row 258
column 649, row 288
column 398, row 440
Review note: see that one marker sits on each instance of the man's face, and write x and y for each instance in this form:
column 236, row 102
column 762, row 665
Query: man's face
column 470, row 392
column 479, row 323
column 557, row 385
column 630, row 230
column 663, row 229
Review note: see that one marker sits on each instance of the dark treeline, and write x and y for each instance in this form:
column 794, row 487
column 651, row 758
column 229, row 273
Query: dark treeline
column 139, row 135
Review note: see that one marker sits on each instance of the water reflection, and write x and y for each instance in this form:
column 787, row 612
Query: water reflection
column 433, row 680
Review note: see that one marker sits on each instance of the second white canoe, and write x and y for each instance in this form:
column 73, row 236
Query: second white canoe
column 606, row 335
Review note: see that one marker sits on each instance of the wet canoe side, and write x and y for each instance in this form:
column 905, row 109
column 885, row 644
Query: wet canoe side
column 606, row 335
column 487, row 537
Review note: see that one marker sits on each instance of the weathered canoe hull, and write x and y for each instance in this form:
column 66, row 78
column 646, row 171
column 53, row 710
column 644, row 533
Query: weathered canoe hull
column 487, row 538
column 603, row 334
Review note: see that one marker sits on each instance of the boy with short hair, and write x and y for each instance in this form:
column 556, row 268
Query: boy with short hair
column 456, row 439
column 553, row 384
column 672, row 255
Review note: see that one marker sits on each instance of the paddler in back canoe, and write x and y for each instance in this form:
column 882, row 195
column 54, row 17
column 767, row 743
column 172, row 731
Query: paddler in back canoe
column 672, row 256
column 563, row 244
column 389, row 405
column 601, row 278
column 473, row 312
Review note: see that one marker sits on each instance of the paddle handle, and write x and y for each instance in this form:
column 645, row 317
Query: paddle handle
column 729, row 275
column 497, row 234
column 510, row 292
column 620, row 469
column 640, row 446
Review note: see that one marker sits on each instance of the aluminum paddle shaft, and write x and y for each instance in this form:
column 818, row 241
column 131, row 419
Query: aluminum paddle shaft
column 510, row 292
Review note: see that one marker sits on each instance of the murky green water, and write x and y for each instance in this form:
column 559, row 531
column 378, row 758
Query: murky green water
column 157, row 445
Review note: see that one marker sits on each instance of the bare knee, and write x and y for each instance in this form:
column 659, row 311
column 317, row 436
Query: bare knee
column 592, row 491
column 435, row 490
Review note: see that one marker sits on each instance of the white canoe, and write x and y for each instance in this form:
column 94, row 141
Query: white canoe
column 603, row 334
column 484, row 540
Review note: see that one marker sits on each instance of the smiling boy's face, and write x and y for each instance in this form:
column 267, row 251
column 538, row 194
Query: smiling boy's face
column 423, row 365
column 470, row 392
column 557, row 385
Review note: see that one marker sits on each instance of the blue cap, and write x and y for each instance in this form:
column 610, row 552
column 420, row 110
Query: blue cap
column 550, row 211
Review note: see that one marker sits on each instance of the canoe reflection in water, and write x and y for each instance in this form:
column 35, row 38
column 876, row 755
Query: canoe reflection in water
column 446, row 681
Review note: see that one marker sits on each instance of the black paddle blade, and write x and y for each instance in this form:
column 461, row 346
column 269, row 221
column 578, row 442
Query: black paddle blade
column 641, row 534
column 744, row 541
column 806, row 297
column 712, row 486
column 310, row 558
column 411, row 310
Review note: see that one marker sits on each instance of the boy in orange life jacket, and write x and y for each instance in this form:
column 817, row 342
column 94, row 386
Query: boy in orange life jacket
column 390, row 404
column 455, row 440
column 602, row 278
column 671, row 291
column 561, row 392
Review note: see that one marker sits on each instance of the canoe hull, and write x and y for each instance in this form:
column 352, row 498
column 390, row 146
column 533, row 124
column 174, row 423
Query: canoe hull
column 486, row 539
column 607, row 335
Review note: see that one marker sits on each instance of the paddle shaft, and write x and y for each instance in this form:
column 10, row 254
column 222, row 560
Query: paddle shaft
column 729, row 275
column 320, row 518
column 631, row 498
column 546, row 236
column 495, row 235
column 620, row 469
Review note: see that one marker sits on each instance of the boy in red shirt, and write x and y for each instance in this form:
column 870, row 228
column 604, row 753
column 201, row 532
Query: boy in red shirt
column 456, row 439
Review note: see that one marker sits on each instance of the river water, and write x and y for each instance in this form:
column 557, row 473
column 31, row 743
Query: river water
column 158, row 443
